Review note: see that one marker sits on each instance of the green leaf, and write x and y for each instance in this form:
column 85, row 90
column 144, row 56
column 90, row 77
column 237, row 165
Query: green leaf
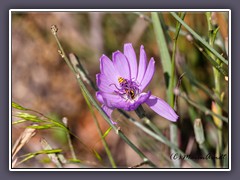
column 107, row 132
column 17, row 106
column 163, row 50
column 46, row 126
column 50, row 151
column 215, row 33
column 54, row 157
column 74, row 160
column 28, row 117
column 97, row 155
column 19, row 121
column 27, row 158
column 32, row 155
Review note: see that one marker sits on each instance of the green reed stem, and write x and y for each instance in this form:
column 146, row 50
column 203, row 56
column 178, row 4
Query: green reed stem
column 95, row 104
column 109, row 154
column 76, row 65
column 172, row 80
column 117, row 130
column 173, row 127
column 217, row 80
column 169, row 70
column 213, row 51
column 164, row 53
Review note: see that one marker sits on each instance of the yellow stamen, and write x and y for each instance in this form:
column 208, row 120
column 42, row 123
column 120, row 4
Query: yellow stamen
column 121, row 80
column 132, row 94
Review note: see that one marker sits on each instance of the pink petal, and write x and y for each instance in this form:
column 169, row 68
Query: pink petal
column 104, row 84
column 142, row 65
column 148, row 74
column 162, row 108
column 113, row 100
column 107, row 68
column 99, row 97
column 108, row 111
column 133, row 105
column 132, row 60
column 121, row 65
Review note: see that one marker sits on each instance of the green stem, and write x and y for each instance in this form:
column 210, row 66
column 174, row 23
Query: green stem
column 169, row 71
column 164, row 53
column 95, row 104
column 173, row 127
column 109, row 154
column 217, row 80
column 78, row 68
column 199, row 38
column 117, row 131
column 178, row 28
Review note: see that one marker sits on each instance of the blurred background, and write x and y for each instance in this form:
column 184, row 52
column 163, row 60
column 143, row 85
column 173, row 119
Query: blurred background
column 42, row 81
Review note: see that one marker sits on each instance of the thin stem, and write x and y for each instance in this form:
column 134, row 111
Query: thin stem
column 210, row 58
column 205, row 89
column 199, row 38
column 109, row 154
column 173, row 127
column 169, row 70
column 78, row 66
column 217, row 81
column 117, row 131
column 74, row 157
column 95, row 104
column 178, row 27
column 71, row 147
column 163, row 51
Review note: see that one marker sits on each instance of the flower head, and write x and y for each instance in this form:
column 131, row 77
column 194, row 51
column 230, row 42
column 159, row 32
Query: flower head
column 121, row 83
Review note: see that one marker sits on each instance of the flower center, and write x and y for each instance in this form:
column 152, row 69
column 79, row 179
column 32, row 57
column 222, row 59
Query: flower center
column 128, row 88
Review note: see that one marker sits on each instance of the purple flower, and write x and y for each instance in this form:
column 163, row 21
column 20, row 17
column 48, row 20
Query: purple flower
column 121, row 83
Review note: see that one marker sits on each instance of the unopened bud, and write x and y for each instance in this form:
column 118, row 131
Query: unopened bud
column 198, row 131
